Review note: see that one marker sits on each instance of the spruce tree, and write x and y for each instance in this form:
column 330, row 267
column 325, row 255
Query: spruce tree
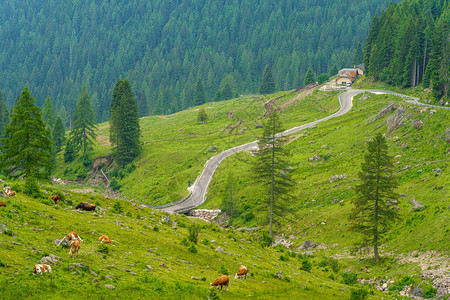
column 375, row 205
column 267, row 85
column 272, row 170
column 63, row 114
column 83, row 134
column 199, row 94
column 310, row 77
column 228, row 200
column 227, row 92
column 48, row 113
column 202, row 116
column 4, row 116
column 124, row 130
column 59, row 134
column 26, row 148
column 358, row 55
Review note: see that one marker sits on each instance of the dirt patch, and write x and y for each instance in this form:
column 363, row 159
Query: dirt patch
column 83, row 191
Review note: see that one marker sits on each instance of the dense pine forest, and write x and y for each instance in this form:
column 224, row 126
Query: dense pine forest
column 165, row 47
column 409, row 45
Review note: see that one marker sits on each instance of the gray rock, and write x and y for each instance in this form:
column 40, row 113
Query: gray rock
column 417, row 205
column 132, row 273
column 335, row 201
column 163, row 265
column 279, row 275
column 94, row 280
column 308, row 245
column 212, row 149
column 258, row 126
column 93, row 273
column 195, row 278
column 109, row 277
column 51, row 259
column 309, row 253
column 3, row 228
column 109, row 286
column 149, row 267
column 417, row 292
column 78, row 265
column 16, row 243
column 220, row 250
column 315, row 158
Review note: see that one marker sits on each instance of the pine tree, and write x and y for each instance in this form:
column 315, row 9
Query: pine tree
column 374, row 209
column 124, row 130
column 272, row 170
column 48, row 113
column 26, row 148
column 227, row 200
column 83, row 134
column 267, row 85
column 69, row 151
column 199, row 94
column 4, row 116
column 59, row 134
column 63, row 114
column 227, row 92
column 358, row 55
column 310, row 77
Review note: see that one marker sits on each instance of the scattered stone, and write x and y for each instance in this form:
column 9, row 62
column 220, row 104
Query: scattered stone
column 417, row 124
column 220, row 250
column 417, row 292
column 279, row 276
column 109, row 277
column 337, row 177
column 417, row 205
column 335, row 201
column 3, row 228
column 78, row 265
column 51, row 259
column 94, row 280
column 109, row 286
column 174, row 227
column 315, row 158
column 163, row 265
column 212, row 149
column 132, row 273
column 149, row 267
column 150, row 250
column 16, row 243
column 205, row 214
column 196, row 278
column 250, row 230
column 309, row 253
column 308, row 245
column 282, row 241
column 258, row 126
column 93, row 273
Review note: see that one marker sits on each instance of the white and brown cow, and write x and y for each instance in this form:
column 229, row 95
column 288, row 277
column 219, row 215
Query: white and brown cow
column 221, row 281
column 73, row 236
column 9, row 192
column 105, row 239
column 242, row 272
column 42, row 268
column 74, row 248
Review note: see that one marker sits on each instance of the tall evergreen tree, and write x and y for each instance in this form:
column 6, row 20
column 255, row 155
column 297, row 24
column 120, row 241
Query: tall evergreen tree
column 358, row 55
column 124, row 130
column 83, row 134
column 310, row 77
column 228, row 200
column 267, row 85
column 199, row 95
column 48, row 113
column 4, row 116
column 373, row 209
column 272, row 170
column 59, row 134
column 63, row 114
column 26, row 148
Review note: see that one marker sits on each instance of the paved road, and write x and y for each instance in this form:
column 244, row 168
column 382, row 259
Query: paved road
column 198, row 190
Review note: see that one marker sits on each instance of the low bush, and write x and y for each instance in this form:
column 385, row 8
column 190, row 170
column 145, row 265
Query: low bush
column 306, row 265
column 358, row 294
column 349, row 278
column 192, row 249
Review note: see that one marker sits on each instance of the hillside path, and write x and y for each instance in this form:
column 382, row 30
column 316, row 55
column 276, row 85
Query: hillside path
column 199, row 189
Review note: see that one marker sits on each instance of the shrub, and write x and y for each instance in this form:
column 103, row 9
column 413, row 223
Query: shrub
column 358, row 294
column 185, row 242
column 156, row 228
column 223, row 270
column 32, row 188
column 205, row 242
column 129, row 215
column 306, row 265
column 284, row 258
column 114, row 184
column 429, row 292
column 117, row 207
column 192, row 249
column 194, row 230
column 87, row 161
column 102, row 248
column 349, row 278
column 265, row 240
column 2, row 264
column 399, row 284
column 213, row 295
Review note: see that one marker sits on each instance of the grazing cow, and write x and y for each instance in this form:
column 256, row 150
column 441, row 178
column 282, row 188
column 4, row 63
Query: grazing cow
column 105, row 239
column 221, row 281
column 42, row 268
column 73, row 236
column 242, row 273
column 9, row 192
column 55, row 198
column 74, row 248
column 2, row 204
column 86, row 206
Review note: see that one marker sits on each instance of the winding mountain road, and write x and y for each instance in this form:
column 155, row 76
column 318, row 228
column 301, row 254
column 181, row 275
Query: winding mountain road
column 200, row 187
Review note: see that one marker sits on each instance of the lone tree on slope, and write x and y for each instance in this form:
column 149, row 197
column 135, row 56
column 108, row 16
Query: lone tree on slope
column 272, row 170
column 374, row 208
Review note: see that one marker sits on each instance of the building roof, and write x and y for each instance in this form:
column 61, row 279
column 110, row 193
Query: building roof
column 361, row 66
column 350, row 73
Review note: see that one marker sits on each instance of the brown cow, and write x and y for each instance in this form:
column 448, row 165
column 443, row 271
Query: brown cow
column 73, row 236
column 74, row 248
column 242, row 272
column 2, row 204
column 105, row 239
column 86, row 206
column 221, row 281
column 55, row 198
column 42, row 268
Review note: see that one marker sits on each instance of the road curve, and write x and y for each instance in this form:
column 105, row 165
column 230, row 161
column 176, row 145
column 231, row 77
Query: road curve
column 198, row 190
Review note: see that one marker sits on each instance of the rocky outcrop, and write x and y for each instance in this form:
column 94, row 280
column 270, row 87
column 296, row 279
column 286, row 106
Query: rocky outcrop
column 308, row 245
column 205, row 214
column 417, row 205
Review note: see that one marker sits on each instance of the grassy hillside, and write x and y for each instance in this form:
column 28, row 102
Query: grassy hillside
column 149, row 257
column 175, row 147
